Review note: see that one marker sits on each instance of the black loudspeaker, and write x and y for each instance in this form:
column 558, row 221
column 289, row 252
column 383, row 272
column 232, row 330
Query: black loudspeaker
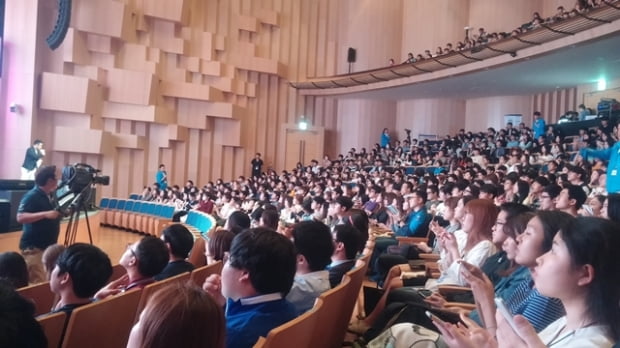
column 5, row 215
column 12, row 191
column 62, row 24
column 351, row 55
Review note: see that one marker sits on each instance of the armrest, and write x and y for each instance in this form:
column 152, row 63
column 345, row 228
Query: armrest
column 429, row 257
column 451, row 290
column 410, row 240
column 461, row 305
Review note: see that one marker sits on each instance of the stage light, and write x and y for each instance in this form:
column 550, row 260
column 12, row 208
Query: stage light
column 601, row 84
column 302, row 125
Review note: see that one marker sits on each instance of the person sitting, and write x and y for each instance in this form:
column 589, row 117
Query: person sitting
column 179, row 315
column 582, row 271
column 314, row 245
column 237, row 222
column 50, row 256
column 179, row 241
column 218, row 244
column 142, row 260
column 255, row 280
column 80, row 271
column 346, row 244
column 13, row 269
column 18, row 327
column 571, row 199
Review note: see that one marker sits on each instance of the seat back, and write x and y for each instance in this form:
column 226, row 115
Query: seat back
column 41, row 295
column 103, row 204
column 134, row 196
column 197, row 254
column 129, row 205
column 137, row 206
column 103, row 324
column 327, row 335
column 299, row 330
column 53, row 326
column 199, row 275
column 121, row 204
column 150, row 289
column 356, row 275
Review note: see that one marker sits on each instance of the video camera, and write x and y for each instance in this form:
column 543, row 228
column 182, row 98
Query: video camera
column 76, row 182
column 80, row 175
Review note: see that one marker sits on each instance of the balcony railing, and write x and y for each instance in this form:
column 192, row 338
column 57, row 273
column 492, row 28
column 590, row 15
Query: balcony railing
column 608, row 12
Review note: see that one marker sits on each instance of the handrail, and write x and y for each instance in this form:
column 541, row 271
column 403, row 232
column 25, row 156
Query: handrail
column 607, row 13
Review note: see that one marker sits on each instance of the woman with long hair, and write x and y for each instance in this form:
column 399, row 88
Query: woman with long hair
column 582, row 271
column 179, row 315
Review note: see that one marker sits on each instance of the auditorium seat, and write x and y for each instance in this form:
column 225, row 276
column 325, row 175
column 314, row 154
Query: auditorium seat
column 299, row 330
column 199, row 275
column 53, row 326
column 197, row 254
column 103, row 324
column 150, row 289
column 328, row 333
column 41, row 295
column 117, row 272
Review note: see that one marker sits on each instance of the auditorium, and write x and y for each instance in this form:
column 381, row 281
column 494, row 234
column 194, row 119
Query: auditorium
column 309, row 173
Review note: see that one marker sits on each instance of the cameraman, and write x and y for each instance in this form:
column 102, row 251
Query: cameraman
column 41, row 222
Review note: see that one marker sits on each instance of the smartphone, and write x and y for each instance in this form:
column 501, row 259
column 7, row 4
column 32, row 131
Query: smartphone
column 433, row 317
column 501, row 307
column 425, row 293
column 392, row 209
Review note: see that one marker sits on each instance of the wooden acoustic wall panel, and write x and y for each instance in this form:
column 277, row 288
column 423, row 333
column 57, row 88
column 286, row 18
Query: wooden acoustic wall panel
column 269, row 17
column 171, row 10
column 79, row 140
column 248, row 23
column 200, row 93
column 129, row 141
column 85, row 94
column 185, row 90
column 104, row 17
column 143, row 113
column 132, row 87
column 74, row 47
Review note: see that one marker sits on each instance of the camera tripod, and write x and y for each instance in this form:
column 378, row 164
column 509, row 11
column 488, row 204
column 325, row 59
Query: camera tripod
column 77, row 206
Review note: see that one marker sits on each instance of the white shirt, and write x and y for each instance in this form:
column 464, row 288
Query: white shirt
column 591, row 336
column 306, row 288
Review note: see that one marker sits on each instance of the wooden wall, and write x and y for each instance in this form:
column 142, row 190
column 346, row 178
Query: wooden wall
column 430, row 116
column 197, row 85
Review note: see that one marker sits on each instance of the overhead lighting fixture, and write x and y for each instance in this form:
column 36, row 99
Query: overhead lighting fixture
column 302, row 125
column 601, row 84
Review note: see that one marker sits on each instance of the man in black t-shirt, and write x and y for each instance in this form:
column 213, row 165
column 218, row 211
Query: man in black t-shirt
column 41, row 222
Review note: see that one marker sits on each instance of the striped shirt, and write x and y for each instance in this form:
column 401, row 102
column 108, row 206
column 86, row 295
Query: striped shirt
column 539, row 310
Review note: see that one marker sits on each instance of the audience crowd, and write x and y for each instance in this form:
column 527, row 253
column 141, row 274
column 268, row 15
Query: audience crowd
column 481, row 38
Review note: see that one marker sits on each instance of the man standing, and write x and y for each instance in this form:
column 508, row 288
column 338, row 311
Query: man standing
column 539, row 125
column 32, row 160
column 257, row 164
column 41, row 222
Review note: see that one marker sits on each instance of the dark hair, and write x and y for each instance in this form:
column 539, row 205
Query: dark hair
column 490, row 189
column 270, row 218
column 359, row 219
column 350, row 237
column 219, row 243
column 238, row 221
column 268, row 257
column 18, row 327
column 175, row 315
column 345, row 202
column 516, row 224
column 180, row 240
column 523, row 190
column 44, row 174
column 37, row 142
column 152, row 255
column 595, row 242
column 313, row 240
column 13, row 269
column 613, row 207
column 89, row 268
column 513, row 209
column 553, row 190
column 578, row 194
column 421, row 193
column 552, row 221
